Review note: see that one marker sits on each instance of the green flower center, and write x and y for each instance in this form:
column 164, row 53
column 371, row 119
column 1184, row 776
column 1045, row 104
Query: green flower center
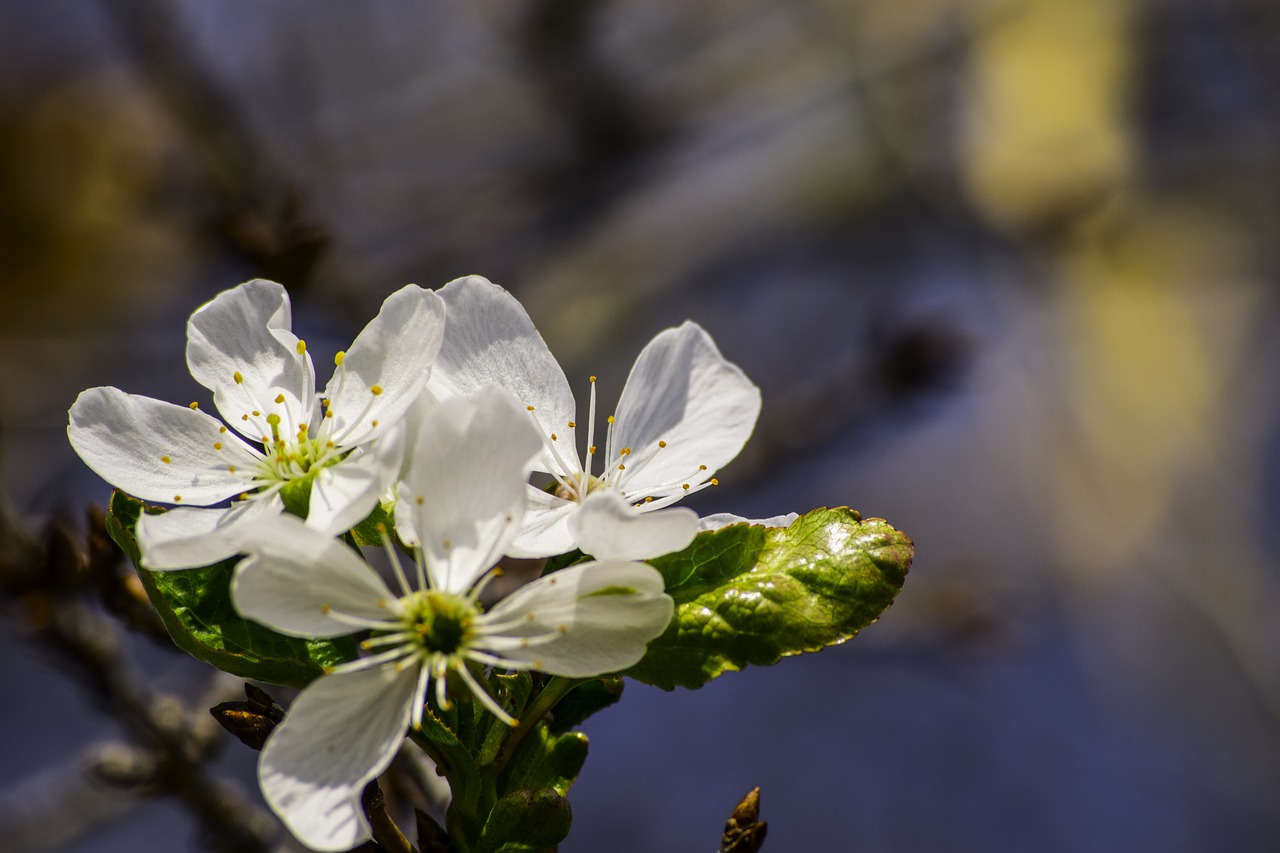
column 439, row 622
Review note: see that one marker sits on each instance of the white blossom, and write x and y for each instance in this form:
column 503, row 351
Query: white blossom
column 684, row 412
column 464, row 496
column 327, row 455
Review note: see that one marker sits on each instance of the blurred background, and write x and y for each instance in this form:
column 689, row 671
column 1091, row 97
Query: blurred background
column 1005, row 271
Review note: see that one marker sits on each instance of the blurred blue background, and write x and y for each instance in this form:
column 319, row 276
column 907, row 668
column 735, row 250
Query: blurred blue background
column 1005, row 271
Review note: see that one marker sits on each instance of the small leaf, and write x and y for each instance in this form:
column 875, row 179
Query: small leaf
column 195, row 605
column 545, row 760
column 526, row 822
column 750, row 595
column 369, row 531
column 583, row 701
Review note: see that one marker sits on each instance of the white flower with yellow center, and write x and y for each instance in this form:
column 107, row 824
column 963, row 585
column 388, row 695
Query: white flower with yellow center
column 684, row 412
column 465, row 497
column 327, row 456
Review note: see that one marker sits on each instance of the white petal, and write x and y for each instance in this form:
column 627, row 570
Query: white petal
column 245, row 331
column 609, row 528
column 343, row 495
column 490, row 340
column 683, row 392
column 341, row 732
column 300, row 582
column 467, row 484
column 394, row 354
column 127, row 439
column 724, row 519
column 600, row 617
column 545, row 529
column 183, row 538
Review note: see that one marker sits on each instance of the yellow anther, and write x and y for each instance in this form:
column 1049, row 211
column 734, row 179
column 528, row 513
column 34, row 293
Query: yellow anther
column 609, row 419
column 302, row 347
column 244, row 496
column 231, row 468
column 338, row 357
column 193, row 405
column 538, row 664
column 553, row 437
column 593, row 379
column 375, row 390
column 621, row 467
column 702, row 467
column 222, row 429
column 649, row 499
column 382, row 602
column 529, row 408
column 324, row 608
column 238, row 377
column 662, row 444
column 498, row 572
column 165, row 459
column 177, row 498
column 626, row 451
column 714, row 481
column 562, row 629
column 328, row 413
column 419, row 500
column 572, row 425
column 592, row 450
column 279, row 398
column 685, row 487
column 217, row 445
column 256, row 414
column 375, row 423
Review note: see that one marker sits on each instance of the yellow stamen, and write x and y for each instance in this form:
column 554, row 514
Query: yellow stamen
column 572, row 425
column 193, row 405
column 375, row 390
column 302, row 347
column 217, row 445
column 662, row 444
column 238, row 377
column 279, row 398
column 164, row 459
column 338, row 357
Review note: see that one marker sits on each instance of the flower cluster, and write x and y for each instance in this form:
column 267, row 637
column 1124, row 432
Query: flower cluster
column 434, row 420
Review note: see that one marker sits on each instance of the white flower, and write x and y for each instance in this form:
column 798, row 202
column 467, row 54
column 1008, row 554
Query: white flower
column 328, row 456
column 465, row 495
column 685, row 412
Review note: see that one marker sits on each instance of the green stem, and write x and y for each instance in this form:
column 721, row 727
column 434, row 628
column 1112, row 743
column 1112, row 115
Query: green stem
column 552, row 693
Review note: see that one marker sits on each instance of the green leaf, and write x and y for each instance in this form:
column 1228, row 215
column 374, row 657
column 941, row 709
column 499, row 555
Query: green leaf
column 750, row 595
column 369, row 531
column 195, row 605
column 545, row 760
column 526, row 822
column 584, row 700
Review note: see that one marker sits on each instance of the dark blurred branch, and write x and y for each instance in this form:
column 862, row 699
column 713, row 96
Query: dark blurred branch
column 53, row 586
column 608, row 127
column 258, row 211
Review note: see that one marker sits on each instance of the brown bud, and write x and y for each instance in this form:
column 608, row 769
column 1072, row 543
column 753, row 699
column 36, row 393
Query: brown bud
column 744, row 831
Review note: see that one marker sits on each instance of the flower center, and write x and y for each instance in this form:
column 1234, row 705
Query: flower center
column 438, row 622
column 575, row 480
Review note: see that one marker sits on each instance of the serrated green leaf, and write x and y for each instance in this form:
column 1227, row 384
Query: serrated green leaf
column 526, row 822
column 195, row 605
column 749, row 595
